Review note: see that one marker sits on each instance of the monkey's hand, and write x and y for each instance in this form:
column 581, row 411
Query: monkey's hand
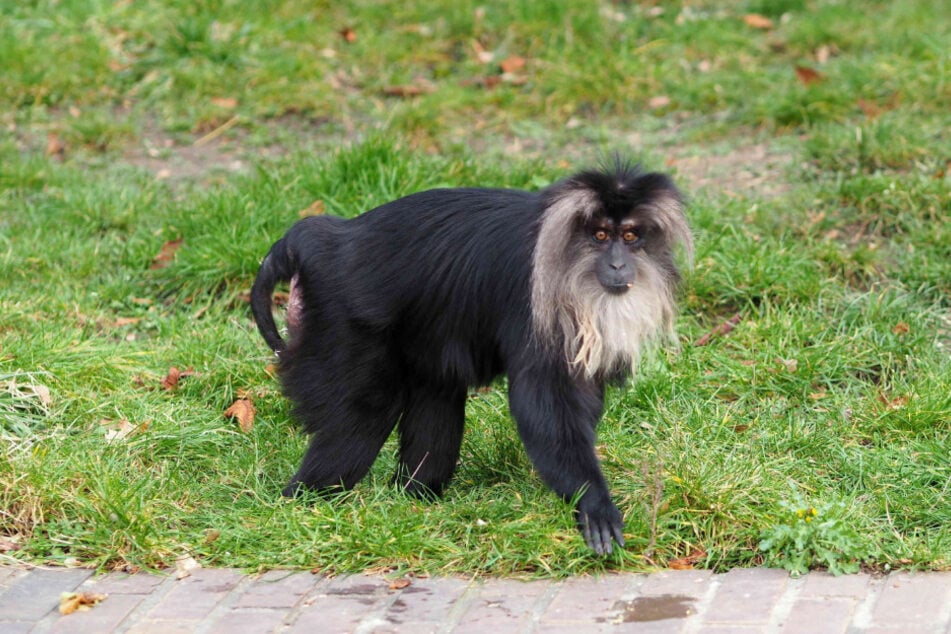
column 601, row 523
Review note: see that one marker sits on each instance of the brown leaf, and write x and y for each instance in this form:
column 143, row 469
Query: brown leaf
column 407, row 90
column 55, row 146
column 660, row 101
column 120, row 430
column 791, row 365
column 481, row 54
column 721, row 329
column 243, row 411
column 70, row 602
column 399, row 584
column 212, row 535
column 687, row 563
column 125, row 321
column 228, row 103
column 901, row 328
column 315, row 208
column 757, row 21
column 893, row 404
column 808, row 76
column 512, row 64
column 166, row 254
column 170, row 382
column 348, row 34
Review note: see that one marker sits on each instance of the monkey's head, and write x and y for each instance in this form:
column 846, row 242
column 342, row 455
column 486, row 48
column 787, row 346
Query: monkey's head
column 604, row 271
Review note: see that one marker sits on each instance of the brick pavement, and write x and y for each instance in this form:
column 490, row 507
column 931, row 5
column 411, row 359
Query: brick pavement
column 213, row 601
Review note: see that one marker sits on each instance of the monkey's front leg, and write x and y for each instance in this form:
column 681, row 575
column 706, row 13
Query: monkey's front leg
column 556, row 417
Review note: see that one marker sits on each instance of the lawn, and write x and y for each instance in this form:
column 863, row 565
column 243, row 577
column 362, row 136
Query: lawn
column 152, row 151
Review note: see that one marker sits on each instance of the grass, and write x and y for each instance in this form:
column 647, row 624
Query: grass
column 131, row 125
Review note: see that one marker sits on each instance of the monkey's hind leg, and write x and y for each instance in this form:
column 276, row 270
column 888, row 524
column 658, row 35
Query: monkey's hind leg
column 430, row 437
column 343, row 448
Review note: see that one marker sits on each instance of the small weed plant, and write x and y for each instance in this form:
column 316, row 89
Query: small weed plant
column 806, row 536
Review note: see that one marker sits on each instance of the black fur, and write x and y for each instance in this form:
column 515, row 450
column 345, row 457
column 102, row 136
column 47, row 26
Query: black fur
column 407, row 306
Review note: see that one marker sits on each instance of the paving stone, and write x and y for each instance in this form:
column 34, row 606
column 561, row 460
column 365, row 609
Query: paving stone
column 811, row 615
column 277, row 589
column 194, row 597
column 8, row 575
column 162, row 626
column 822, row 584
column 123, row 583
column 422, row 606
column 693, row 583
column 249, row 621
column 340, row 605
column 913, row 601
column 34, row 595
column 746, row 596
column 586, row 599
column 502, row 605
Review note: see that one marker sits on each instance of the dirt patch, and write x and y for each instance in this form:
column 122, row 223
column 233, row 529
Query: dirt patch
column 753, row 170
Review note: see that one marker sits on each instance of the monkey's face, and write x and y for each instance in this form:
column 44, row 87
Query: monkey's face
column 616, row 245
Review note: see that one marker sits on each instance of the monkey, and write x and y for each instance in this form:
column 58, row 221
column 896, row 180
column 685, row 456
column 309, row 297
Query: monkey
column 396, row 313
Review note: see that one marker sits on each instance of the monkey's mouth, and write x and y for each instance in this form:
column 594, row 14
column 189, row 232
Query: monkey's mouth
column 618, row 289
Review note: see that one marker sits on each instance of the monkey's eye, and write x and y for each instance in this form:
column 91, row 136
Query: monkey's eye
column 629, row 236
column 600, row 235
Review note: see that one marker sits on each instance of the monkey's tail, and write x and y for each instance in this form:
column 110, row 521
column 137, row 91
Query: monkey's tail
column 278, row 266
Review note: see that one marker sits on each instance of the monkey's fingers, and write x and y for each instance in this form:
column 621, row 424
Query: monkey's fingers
column 618, row 535
column 598, row 536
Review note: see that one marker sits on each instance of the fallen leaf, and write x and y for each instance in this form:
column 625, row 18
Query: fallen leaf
column 687, row 563
column 399, row 584
column 512, row 64
column 791, row 365
column 808, row 76
column 212, row 535
column 893, row 404
column 229, row 103
column 901, row 328
column 757, row 21
column 315, row 208
column 242, row 410
column 660, row 101
column 482, row 55
column 166, row 254
column 823, row 53
column 740, row 428
column 184, row 566
column 119, row 430
column 348, row 34
column 55, row 146
column 125, row 321
column 170, row 381
column 721, row 329
column 70, row 602
column 407, row 90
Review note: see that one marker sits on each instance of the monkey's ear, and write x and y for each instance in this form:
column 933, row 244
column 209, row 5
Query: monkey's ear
column 667, row 208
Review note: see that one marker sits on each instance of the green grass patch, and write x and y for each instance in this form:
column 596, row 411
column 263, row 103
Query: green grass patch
column 132, row 126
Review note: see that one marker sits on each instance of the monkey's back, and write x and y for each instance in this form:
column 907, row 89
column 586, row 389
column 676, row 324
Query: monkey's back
column 441, row 276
